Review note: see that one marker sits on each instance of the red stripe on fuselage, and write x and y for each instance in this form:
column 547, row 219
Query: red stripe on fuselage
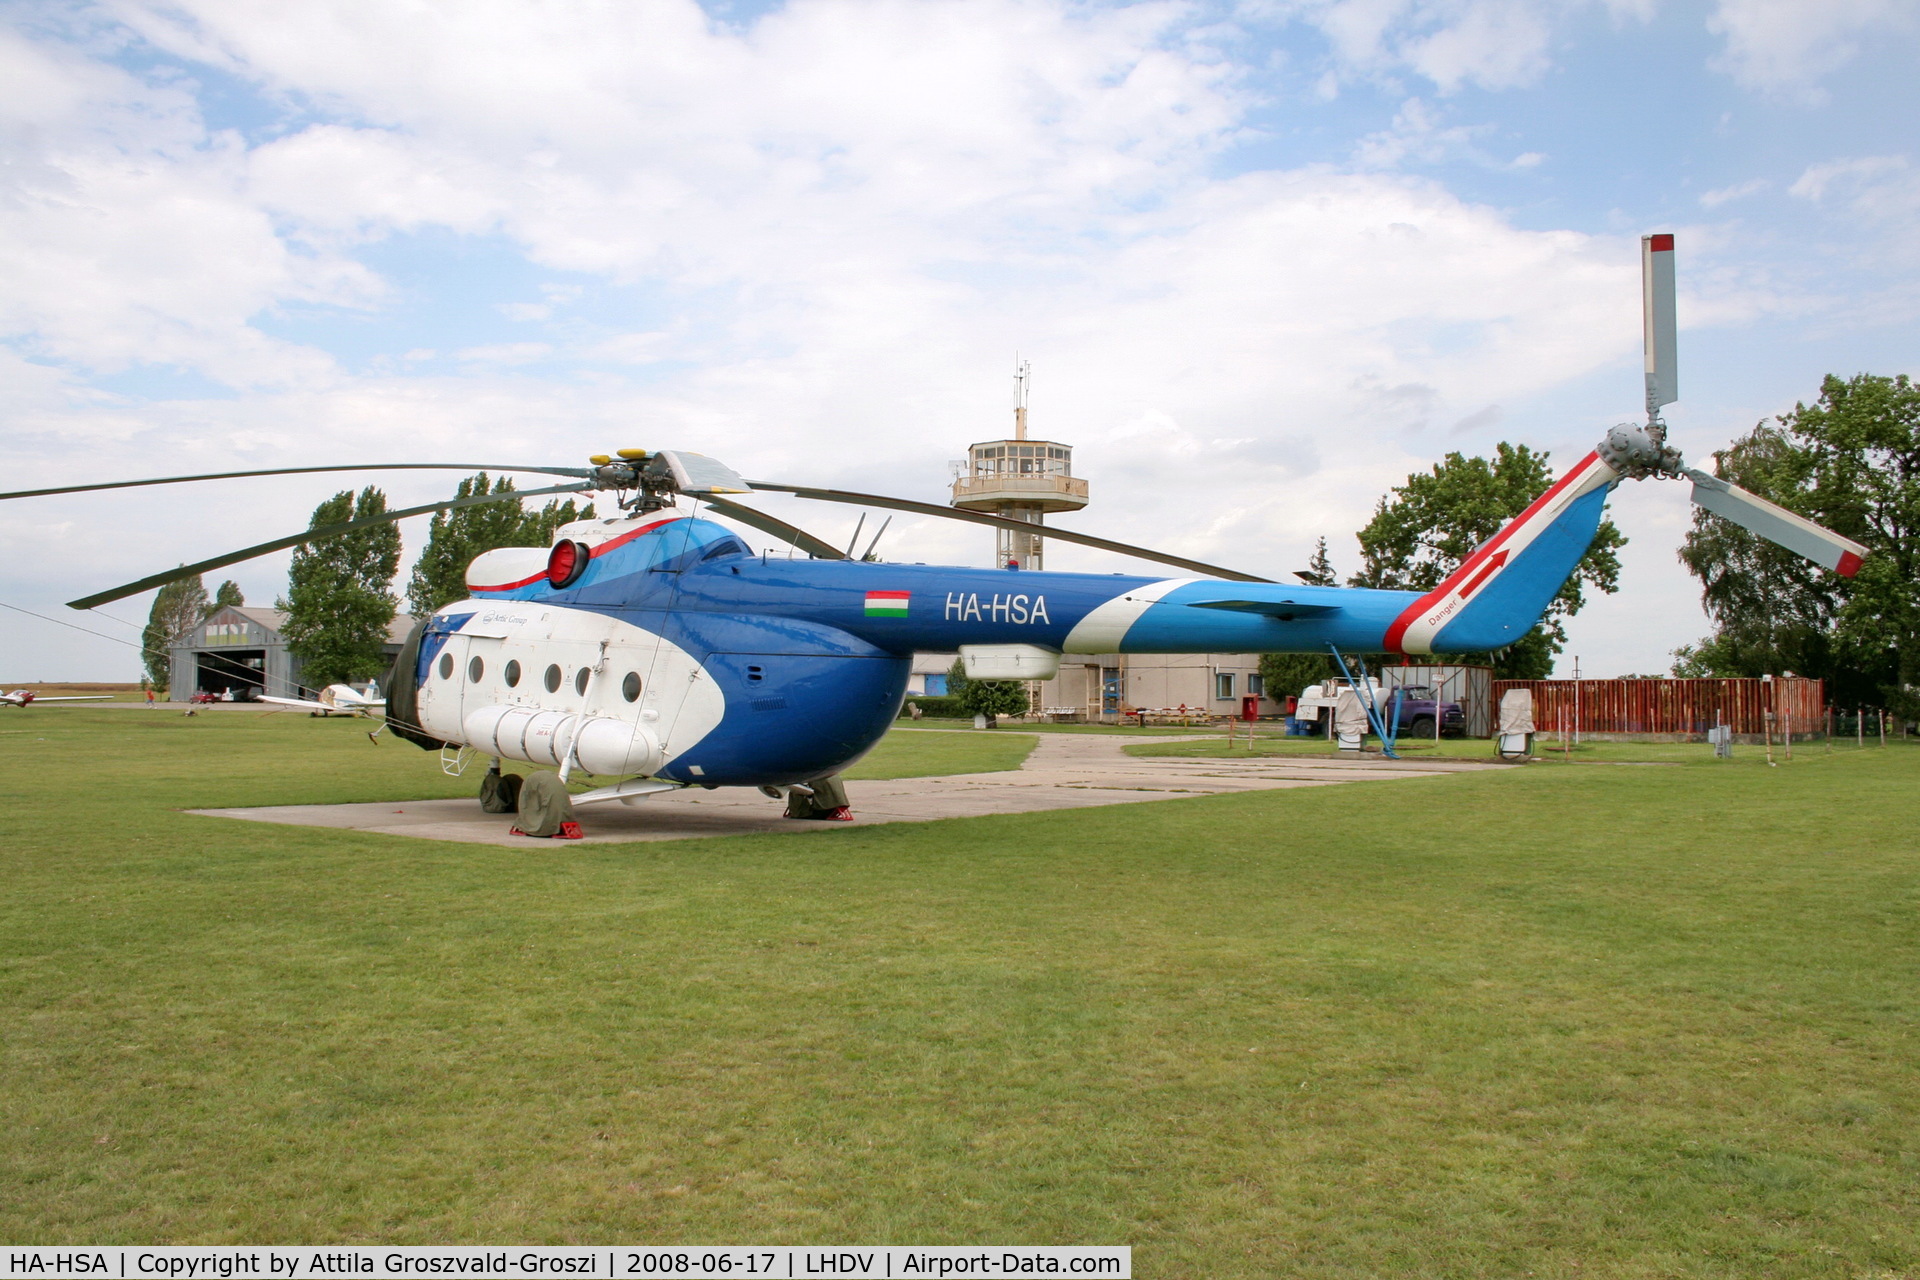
column 593, row 553
column 1398, row 630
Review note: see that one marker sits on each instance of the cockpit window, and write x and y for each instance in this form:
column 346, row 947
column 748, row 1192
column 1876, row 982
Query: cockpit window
column 725, row 547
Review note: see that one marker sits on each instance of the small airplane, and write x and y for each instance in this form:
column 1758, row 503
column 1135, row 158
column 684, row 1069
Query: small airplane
column 336, row 700
column 21, row 697
column 655, row 649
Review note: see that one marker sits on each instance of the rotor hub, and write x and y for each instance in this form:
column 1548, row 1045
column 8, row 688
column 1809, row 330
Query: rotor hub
column 1639, row 451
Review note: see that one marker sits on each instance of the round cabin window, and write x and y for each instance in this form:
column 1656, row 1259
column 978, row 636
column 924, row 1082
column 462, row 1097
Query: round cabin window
column 512, row 674
column 630, row 687
column 553, row 679
column 446, row 666
column 476, row 669
column 580, row 681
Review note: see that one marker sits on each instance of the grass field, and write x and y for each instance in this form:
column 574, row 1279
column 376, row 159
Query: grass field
column 1557, row 1020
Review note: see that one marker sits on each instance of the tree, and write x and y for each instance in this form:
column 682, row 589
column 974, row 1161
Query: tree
column 958, row 679
column 227, row 594
column 994, row 698
column 1850, row 461
column 1319, row 571
column 455, row 537
column 178, row 608
column 1422, row 531
column 989, row 698
column 339, row 603
column 1285, row 675
column 537, row 528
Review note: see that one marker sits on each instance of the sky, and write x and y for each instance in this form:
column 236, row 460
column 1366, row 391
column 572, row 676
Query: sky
column 1266, row 258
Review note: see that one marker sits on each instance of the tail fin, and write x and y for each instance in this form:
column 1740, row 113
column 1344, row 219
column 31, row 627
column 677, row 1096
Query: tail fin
column 1499, row 592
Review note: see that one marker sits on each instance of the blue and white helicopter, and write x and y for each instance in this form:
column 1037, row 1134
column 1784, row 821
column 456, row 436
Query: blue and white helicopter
column 656, row 650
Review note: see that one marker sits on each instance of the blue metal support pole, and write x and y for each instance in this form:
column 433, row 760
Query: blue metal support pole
column 1364, row 692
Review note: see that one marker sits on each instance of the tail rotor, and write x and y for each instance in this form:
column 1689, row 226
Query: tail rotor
column 1637, row 451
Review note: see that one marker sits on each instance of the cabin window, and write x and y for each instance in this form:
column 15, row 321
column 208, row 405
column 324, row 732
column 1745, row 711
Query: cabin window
column 446, row 666
column 580, row 678
column 512, row 674
column 553, row 679
column 630, row 687
column 476, row 669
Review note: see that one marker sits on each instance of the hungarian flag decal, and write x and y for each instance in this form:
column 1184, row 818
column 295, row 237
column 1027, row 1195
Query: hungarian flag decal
column 887, row 604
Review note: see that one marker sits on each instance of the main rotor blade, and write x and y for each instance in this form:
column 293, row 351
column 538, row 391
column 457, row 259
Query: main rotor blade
column 298, row 471
column 1777, row 524
column 1001, row 522
column 1661, row 333
column 778, row 528
column 306, row 535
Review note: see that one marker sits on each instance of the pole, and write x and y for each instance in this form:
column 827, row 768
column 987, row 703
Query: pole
column 1576, row 697
column 1789, row 738
column 1860, row 728
column 1766, row 728
column 1883, row 728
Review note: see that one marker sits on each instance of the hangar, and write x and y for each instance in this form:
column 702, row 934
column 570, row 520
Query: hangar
column 240, row 649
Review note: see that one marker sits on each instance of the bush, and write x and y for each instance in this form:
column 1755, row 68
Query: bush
column 995, row 698
column 936, row 705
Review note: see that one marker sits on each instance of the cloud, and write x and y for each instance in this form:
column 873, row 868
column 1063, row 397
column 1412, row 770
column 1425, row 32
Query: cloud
column 1738, row 191
column 1487, row 44
column 507, row 353
column 1787, row 46
column 1418, row 136
column 1879, row 186
column 809, row 245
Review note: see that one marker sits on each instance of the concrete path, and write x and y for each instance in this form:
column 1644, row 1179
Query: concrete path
column 1065, row 771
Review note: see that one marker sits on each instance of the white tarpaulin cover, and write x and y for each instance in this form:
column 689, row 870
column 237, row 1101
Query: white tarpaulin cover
column 1349, row 714
column 1516, row 711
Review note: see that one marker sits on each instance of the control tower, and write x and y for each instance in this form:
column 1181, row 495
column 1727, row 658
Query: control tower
column 1019, row 478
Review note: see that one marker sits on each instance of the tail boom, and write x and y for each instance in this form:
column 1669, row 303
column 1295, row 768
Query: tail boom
column 1499, row 592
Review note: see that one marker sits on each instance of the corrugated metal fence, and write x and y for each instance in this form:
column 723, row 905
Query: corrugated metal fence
column 1673, row 706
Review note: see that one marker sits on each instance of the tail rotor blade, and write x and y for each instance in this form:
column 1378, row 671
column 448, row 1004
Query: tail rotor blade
column 1777, row 524
column 1662, row 331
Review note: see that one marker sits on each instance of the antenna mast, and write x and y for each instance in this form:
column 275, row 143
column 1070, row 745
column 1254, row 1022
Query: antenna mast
column 1022, row 371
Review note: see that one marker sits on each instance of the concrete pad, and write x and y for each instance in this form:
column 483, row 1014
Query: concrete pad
column 1065, row 771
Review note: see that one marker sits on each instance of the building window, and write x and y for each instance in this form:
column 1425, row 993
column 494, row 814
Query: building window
column 1256, row 684
column 1223, row 684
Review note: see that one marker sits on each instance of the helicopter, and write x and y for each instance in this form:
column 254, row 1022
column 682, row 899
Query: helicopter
column 655, row 649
